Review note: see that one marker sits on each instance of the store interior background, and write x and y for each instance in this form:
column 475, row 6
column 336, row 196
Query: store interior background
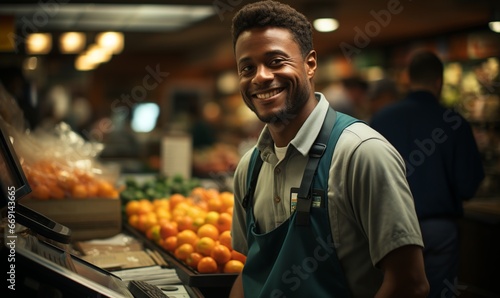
column 189, row 72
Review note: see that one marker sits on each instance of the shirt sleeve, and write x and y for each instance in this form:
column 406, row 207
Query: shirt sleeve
column 238, row 228
column 381, row 199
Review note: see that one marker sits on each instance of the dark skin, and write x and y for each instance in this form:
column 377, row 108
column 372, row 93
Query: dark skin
column 270, row 63
column 276, row 83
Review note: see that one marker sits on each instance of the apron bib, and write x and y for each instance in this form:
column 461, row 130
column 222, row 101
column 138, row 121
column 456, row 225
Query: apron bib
column 297, row 259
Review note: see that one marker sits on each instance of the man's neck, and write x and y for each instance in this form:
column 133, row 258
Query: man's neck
column 284, row 132
column 419, row 87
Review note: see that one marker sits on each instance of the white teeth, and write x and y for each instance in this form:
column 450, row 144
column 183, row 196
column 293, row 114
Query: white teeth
column 268, row 94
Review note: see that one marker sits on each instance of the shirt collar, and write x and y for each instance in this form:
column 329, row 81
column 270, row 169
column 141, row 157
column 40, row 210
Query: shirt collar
column 306, row 135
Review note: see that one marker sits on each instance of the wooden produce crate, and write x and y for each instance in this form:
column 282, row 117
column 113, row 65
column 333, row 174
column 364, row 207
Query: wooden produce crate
column 89, row 218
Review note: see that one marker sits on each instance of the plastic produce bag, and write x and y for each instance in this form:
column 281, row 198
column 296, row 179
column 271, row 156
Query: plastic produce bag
column 58, row 163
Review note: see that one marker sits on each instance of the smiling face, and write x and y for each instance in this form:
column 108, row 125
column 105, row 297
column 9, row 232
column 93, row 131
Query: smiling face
column 275, row 78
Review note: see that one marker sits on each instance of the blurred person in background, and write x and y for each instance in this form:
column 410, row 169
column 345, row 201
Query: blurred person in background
column 444, row 167
column 349, row 96
column 353, row 233
column 381, row 93
column 356, row 89
column 22, row 90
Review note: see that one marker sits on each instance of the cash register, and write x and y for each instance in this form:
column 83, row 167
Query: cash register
column 36, row 248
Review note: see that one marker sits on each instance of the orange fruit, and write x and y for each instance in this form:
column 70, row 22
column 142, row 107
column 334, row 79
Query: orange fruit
column 208, row 230
column 145, row 221
column 105, row 189
column 185, row 223
column 227, row 199
column 198, row 194
column 145, row 206
column 161, row 203
column 193, row 259
column 132, row 207
column 187, row 236
column 224, row 222
column 153, row 232
column 168, row 228
column 220, row 254
column 203, row 205
column 233, row 266
column 93, row 189
column 238, row 256
column 79, row 191
column 205, row 245
column 151, row 220
column 215, row 204
column 162, row 213
column 225, row 239
column 175, row 199
column 198, row 221
column 183, row 251
column 207, row 265
column 212, row 217
column 211, row 193
column 170, row 243
column 133, row 220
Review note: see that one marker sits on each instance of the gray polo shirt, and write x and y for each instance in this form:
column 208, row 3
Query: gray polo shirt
column 369, row 201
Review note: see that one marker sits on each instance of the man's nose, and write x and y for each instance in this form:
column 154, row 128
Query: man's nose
column 262, row 74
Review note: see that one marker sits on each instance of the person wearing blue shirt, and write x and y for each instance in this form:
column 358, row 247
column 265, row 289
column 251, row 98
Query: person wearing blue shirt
column 443, row 165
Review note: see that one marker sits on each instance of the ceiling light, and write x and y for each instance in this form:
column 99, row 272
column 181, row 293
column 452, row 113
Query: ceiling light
column 112, row 41
column 72, row 42
column 494, row 23
column 325, row 24
column 83, row 63
column 494, row 26
column 39, row 43
column 98, row 54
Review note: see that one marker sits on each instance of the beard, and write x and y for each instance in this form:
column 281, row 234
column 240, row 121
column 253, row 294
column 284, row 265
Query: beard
column 294, row 102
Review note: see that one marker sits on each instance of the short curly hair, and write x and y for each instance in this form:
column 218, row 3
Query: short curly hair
column 274, row 14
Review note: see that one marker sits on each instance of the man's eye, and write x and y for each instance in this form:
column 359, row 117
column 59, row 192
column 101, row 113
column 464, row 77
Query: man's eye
column 276, row 61
column 245, row 69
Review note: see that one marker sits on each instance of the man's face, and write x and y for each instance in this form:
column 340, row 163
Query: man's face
column 275, row 80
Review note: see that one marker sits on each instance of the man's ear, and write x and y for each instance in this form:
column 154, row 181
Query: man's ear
column 311, row 64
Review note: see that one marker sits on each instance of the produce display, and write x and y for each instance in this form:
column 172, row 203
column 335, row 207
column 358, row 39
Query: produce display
column 194, row 228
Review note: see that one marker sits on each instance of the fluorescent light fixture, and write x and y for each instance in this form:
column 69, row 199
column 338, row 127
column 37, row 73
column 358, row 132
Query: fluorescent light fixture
column 494, row 26
column 109, row 17
column 112, row 41
column 72, row 42
column 39, row 43
column 144, row 117
column 326, row 24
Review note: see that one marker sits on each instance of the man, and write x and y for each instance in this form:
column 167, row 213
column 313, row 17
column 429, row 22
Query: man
column 443, row 165
column 360, row 236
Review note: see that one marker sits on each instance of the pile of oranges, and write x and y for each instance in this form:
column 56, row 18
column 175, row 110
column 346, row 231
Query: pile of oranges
column 195, row 229
column 51, row 180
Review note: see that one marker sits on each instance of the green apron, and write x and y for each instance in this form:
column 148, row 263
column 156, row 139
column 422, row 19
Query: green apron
column 298, row 258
